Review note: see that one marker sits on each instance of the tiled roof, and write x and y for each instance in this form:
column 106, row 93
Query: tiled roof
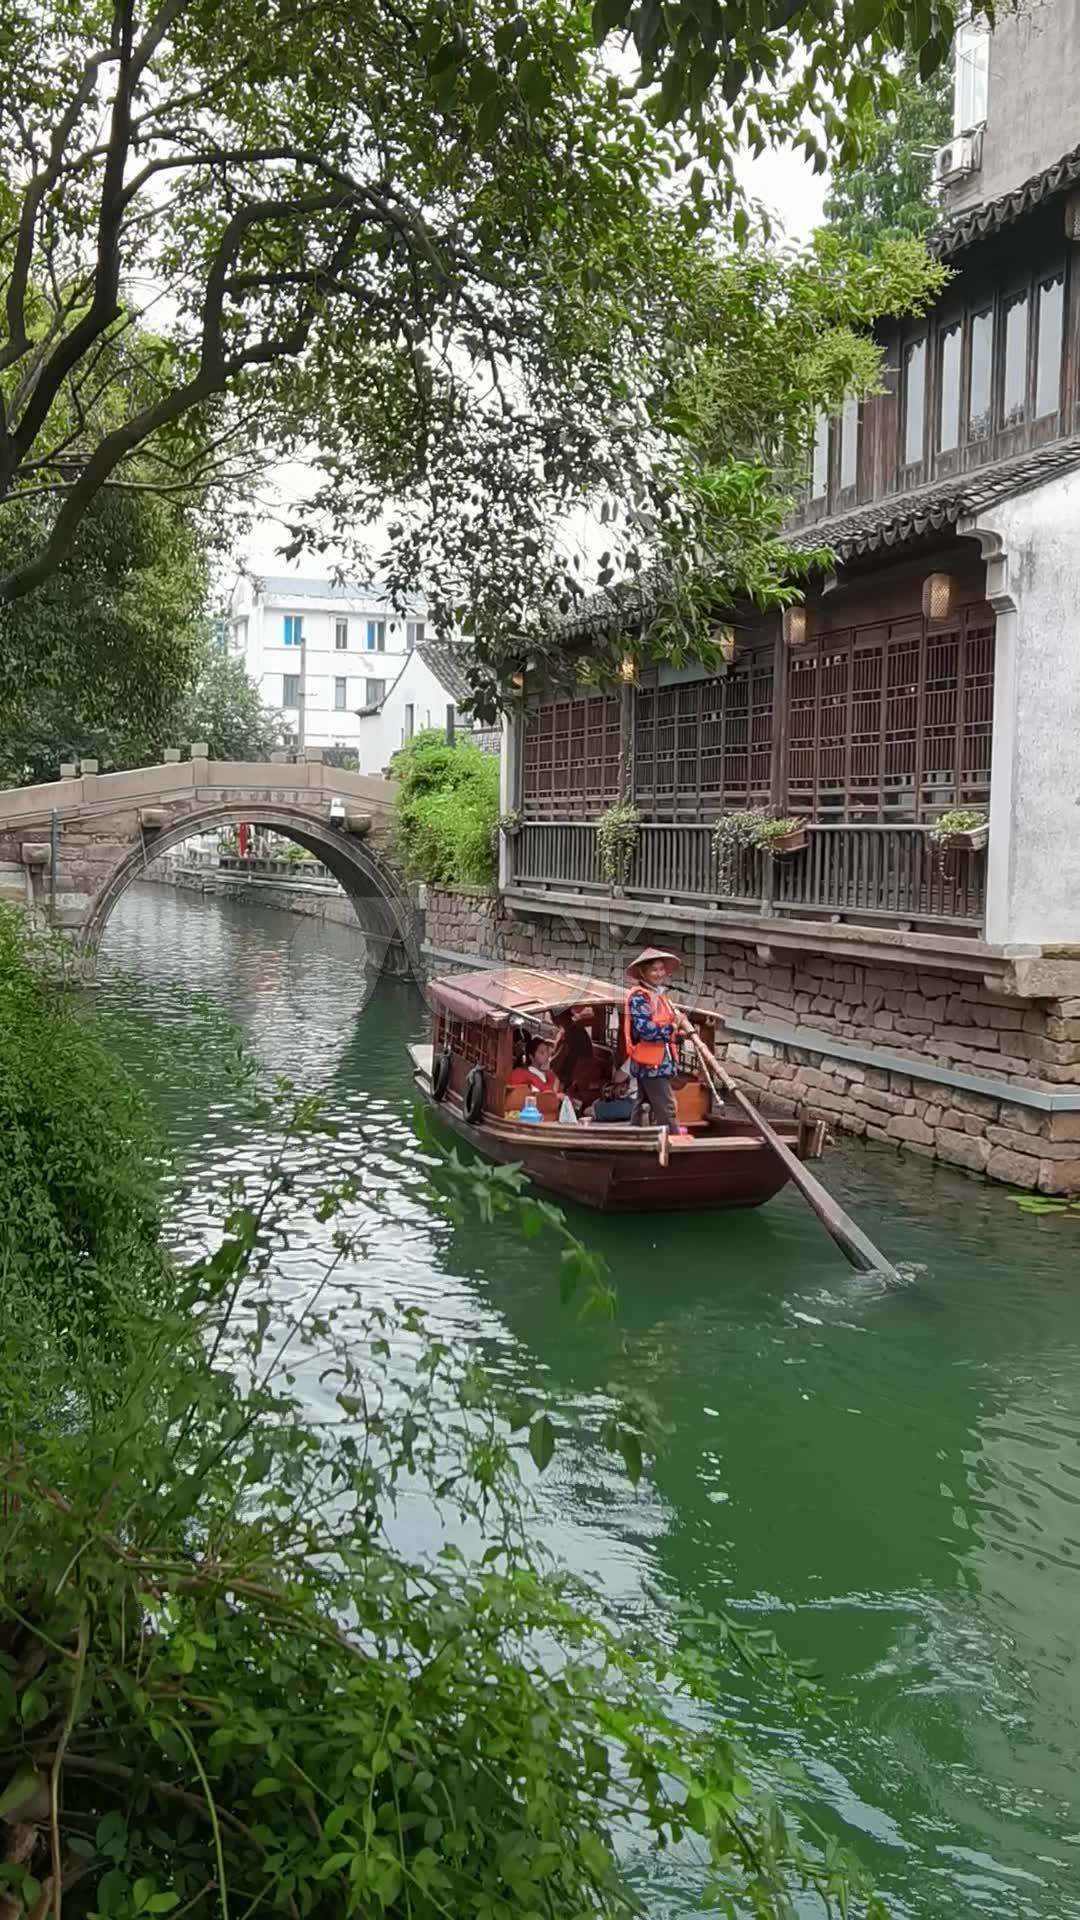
column 296, row 586
column 979, row 222
column 448, row 661
column 299, row 588
column 906, row 516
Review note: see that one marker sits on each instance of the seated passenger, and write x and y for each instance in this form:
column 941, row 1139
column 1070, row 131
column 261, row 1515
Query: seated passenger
column 574, row 1044
column 536, row 1073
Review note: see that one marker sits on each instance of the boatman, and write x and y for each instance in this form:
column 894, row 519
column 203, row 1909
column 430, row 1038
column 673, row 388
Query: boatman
column 650, row 1024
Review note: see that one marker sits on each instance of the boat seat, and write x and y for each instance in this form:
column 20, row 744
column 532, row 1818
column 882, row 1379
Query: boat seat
column 693, row 1104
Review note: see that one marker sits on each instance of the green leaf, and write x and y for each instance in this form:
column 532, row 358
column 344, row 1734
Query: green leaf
column 22, row 1786
column 542, row 1441
column 491, row 116
column 33, row 1705
column 609, row 16
column 162, row 1902
column 268, row 1784
column 450, row 54
column 334, row 1822
column 575, row 1266
column 535, row 83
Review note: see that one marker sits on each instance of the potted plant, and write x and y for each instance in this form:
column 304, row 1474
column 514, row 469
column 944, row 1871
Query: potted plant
column 960, row 832
column 618, row 832
column 780, row 834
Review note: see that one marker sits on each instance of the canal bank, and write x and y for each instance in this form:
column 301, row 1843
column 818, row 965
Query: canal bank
column 885, row 1477
column 276, row 888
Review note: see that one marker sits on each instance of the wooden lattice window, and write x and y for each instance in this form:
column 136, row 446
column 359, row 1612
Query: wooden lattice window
column 469, row 1040
column 570, row 757
column 706, row 745
column 892, row 722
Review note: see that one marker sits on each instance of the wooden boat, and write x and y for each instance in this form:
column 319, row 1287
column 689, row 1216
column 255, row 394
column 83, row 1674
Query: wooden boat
column 479, row 1023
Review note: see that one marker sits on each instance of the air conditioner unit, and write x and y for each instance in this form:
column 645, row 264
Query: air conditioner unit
column 961, row 156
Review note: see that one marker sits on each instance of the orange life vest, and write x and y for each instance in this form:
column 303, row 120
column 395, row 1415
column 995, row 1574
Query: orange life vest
column 649, row 1053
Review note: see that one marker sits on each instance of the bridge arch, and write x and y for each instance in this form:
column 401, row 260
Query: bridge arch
column 376, row 889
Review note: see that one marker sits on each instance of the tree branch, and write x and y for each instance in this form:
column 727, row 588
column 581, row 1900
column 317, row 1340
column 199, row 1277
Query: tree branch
column 213, row 376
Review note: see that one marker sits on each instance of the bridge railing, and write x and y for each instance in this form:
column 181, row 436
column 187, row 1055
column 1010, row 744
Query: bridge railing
column 88, row 789
column 874, row 873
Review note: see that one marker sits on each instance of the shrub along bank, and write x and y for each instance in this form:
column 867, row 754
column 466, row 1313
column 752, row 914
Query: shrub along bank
column 447, row 809
column 225, row 1687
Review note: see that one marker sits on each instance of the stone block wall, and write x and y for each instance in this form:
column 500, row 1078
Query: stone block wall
column 949, row 1022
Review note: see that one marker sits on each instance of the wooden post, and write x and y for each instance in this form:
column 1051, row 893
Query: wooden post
column 626, row 744
column 778, row 765
column 451, row 724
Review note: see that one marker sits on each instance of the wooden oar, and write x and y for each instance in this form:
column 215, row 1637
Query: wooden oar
column 851, row 1239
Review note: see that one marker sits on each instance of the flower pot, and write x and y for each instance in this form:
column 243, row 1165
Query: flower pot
column 971, row 840
column 793, row 842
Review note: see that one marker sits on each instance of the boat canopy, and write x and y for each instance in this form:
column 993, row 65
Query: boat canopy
column 520, row 993
column 524, row 993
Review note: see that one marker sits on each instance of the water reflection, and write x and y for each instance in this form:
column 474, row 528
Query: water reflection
column 889, row 1477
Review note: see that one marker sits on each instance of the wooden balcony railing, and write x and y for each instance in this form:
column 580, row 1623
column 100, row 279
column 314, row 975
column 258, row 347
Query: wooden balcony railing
column 880, row 874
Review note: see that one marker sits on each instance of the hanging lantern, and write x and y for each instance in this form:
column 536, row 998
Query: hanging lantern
column 796, row 627
column 726, row 643
column 938, row 596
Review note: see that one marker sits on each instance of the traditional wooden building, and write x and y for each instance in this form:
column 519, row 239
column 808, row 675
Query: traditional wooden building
column 928, row 997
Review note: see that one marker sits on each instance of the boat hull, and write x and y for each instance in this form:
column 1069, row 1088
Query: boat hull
column 611, row 1170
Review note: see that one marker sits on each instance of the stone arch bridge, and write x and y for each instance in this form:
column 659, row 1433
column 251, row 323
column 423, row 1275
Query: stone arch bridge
column 68, row 850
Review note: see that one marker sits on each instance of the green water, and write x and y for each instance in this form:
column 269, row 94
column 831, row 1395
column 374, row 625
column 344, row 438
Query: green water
column 890, row 1478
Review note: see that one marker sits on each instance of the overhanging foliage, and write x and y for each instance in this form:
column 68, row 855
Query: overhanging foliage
column 442, row 240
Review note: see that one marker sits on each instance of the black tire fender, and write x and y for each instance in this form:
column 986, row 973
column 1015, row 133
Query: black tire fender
column 440, row 1076
column 472, row 1099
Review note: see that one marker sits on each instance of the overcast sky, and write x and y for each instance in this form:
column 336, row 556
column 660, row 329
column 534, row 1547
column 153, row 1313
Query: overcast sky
column 782, row 181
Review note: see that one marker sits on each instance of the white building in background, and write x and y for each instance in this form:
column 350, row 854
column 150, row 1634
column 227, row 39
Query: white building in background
column 343, row 667
column 320, row 653
column 431, row 686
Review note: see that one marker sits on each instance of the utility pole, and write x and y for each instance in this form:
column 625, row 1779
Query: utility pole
column 301, row 728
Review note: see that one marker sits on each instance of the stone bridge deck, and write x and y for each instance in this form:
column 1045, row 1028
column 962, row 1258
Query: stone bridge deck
column 68, row 849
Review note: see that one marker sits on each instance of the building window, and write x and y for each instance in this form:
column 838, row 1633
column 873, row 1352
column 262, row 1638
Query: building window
column 849, row 443
column 341, row 694
column 290, row 690
column 294, row 629
column 376, row 636
column 410, row 721
column 374, row 692
column 414, row 634
column 1014, row 382
column 949, row 388
column 1048, row 350
column 914, row 402
column 341, row 635
column 971, row 85
column 819, row 464
column 981, row 380
column 892, row 721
